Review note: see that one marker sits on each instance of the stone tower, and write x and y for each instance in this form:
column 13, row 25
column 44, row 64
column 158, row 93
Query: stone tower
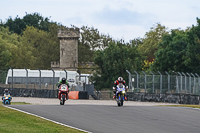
column 68, row 49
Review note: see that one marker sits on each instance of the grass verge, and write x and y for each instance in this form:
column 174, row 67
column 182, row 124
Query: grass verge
column 184, row 105
column 18, row 122
column 16, row 103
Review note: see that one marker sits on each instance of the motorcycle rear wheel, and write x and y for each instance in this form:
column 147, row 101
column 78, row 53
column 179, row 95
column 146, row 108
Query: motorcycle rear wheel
column 119, row 104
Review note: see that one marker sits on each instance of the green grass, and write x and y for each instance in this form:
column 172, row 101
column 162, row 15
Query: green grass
column 12, row 121
column 184, row 105
column 16, row 103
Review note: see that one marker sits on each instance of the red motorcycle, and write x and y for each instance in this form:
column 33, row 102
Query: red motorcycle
column 63, row 93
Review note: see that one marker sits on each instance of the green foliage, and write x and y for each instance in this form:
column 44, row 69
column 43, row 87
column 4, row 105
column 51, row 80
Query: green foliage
column 113, row 62
column 151, row 41
column 137, row 41
column 179, row 51
column 36, row 46
column 171, row 53
column 8, row 48
column 19, row 25
column 90, row 41
column 39, row 47
column 192, row 59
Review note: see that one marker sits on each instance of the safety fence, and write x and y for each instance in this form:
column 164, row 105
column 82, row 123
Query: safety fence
column 164, row 83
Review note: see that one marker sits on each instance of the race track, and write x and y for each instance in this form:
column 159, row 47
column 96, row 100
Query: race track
column 126, row 119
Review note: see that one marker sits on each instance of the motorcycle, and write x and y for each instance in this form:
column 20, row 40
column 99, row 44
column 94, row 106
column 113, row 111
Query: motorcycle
column 64, row 90
column 6, row 99
column 120, row 94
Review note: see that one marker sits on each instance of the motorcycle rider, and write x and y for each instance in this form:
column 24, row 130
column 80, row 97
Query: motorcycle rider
column 6, row 92
column 118, row 81
column 62, row 81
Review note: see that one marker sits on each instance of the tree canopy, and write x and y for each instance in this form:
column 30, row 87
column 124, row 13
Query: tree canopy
column 151, row 41
column 114, row 61
column 179, row 51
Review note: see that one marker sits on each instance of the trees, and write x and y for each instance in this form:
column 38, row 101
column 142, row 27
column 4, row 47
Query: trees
column 39, row 47
column 90, row 41
column 113, row 62
column 35, row 46
column 151, row 41
column 192, row 59
column 8, row 48
column 171, row 52
column 19, row 25
column 34, row 49
column 179, row 51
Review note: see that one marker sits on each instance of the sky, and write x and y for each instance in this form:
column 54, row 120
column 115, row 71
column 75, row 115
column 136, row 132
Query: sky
column 121, row 19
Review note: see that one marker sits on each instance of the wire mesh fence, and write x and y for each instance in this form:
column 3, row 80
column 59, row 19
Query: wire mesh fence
column 159, row 83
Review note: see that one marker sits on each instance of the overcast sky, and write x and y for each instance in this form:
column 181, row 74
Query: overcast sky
column 121, row 19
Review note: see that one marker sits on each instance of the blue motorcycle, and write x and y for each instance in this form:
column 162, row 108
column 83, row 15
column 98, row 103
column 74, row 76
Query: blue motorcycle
column 120, row 94
column 6, row 99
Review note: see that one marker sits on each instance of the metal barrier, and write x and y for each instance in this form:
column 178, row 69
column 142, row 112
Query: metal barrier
column 159, row 83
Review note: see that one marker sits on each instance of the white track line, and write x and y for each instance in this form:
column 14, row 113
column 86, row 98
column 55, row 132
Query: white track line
column 48, row 119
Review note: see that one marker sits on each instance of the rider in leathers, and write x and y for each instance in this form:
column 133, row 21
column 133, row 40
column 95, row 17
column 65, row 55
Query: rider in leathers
column 119, row 80
column 62, row 81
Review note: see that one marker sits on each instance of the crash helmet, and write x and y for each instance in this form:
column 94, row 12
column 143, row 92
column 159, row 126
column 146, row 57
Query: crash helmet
column 63, row 80
column 6, row 91
column 120, row 79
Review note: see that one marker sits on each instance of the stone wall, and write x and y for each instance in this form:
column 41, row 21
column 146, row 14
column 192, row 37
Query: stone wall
column 168, row 98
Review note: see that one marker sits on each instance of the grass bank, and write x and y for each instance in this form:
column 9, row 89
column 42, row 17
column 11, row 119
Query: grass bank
column 184, row 105
column 18, row 122
column 16, row 103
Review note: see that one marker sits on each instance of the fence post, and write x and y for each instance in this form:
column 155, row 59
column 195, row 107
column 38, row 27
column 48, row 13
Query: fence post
column 189, row 82
column 181, row 81
column 177, row 87
column 145, row 80
column 194, row 90
column 66, row 73
column 153, row 80
column 53, row 80
column 12, row 77
column 137, row 80
column 185, row 82
column 40, row 77
column 168, row 81
column 129, row 80
column 198, row 82
column 26, row 78
column 160, row 82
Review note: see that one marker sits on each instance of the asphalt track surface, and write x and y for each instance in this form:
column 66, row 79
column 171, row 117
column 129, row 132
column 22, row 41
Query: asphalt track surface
column 126, row 119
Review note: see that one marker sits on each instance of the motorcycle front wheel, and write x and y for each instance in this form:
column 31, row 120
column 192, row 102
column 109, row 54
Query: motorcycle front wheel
column 63, row 99
column 122, row 101
column 119, row 101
